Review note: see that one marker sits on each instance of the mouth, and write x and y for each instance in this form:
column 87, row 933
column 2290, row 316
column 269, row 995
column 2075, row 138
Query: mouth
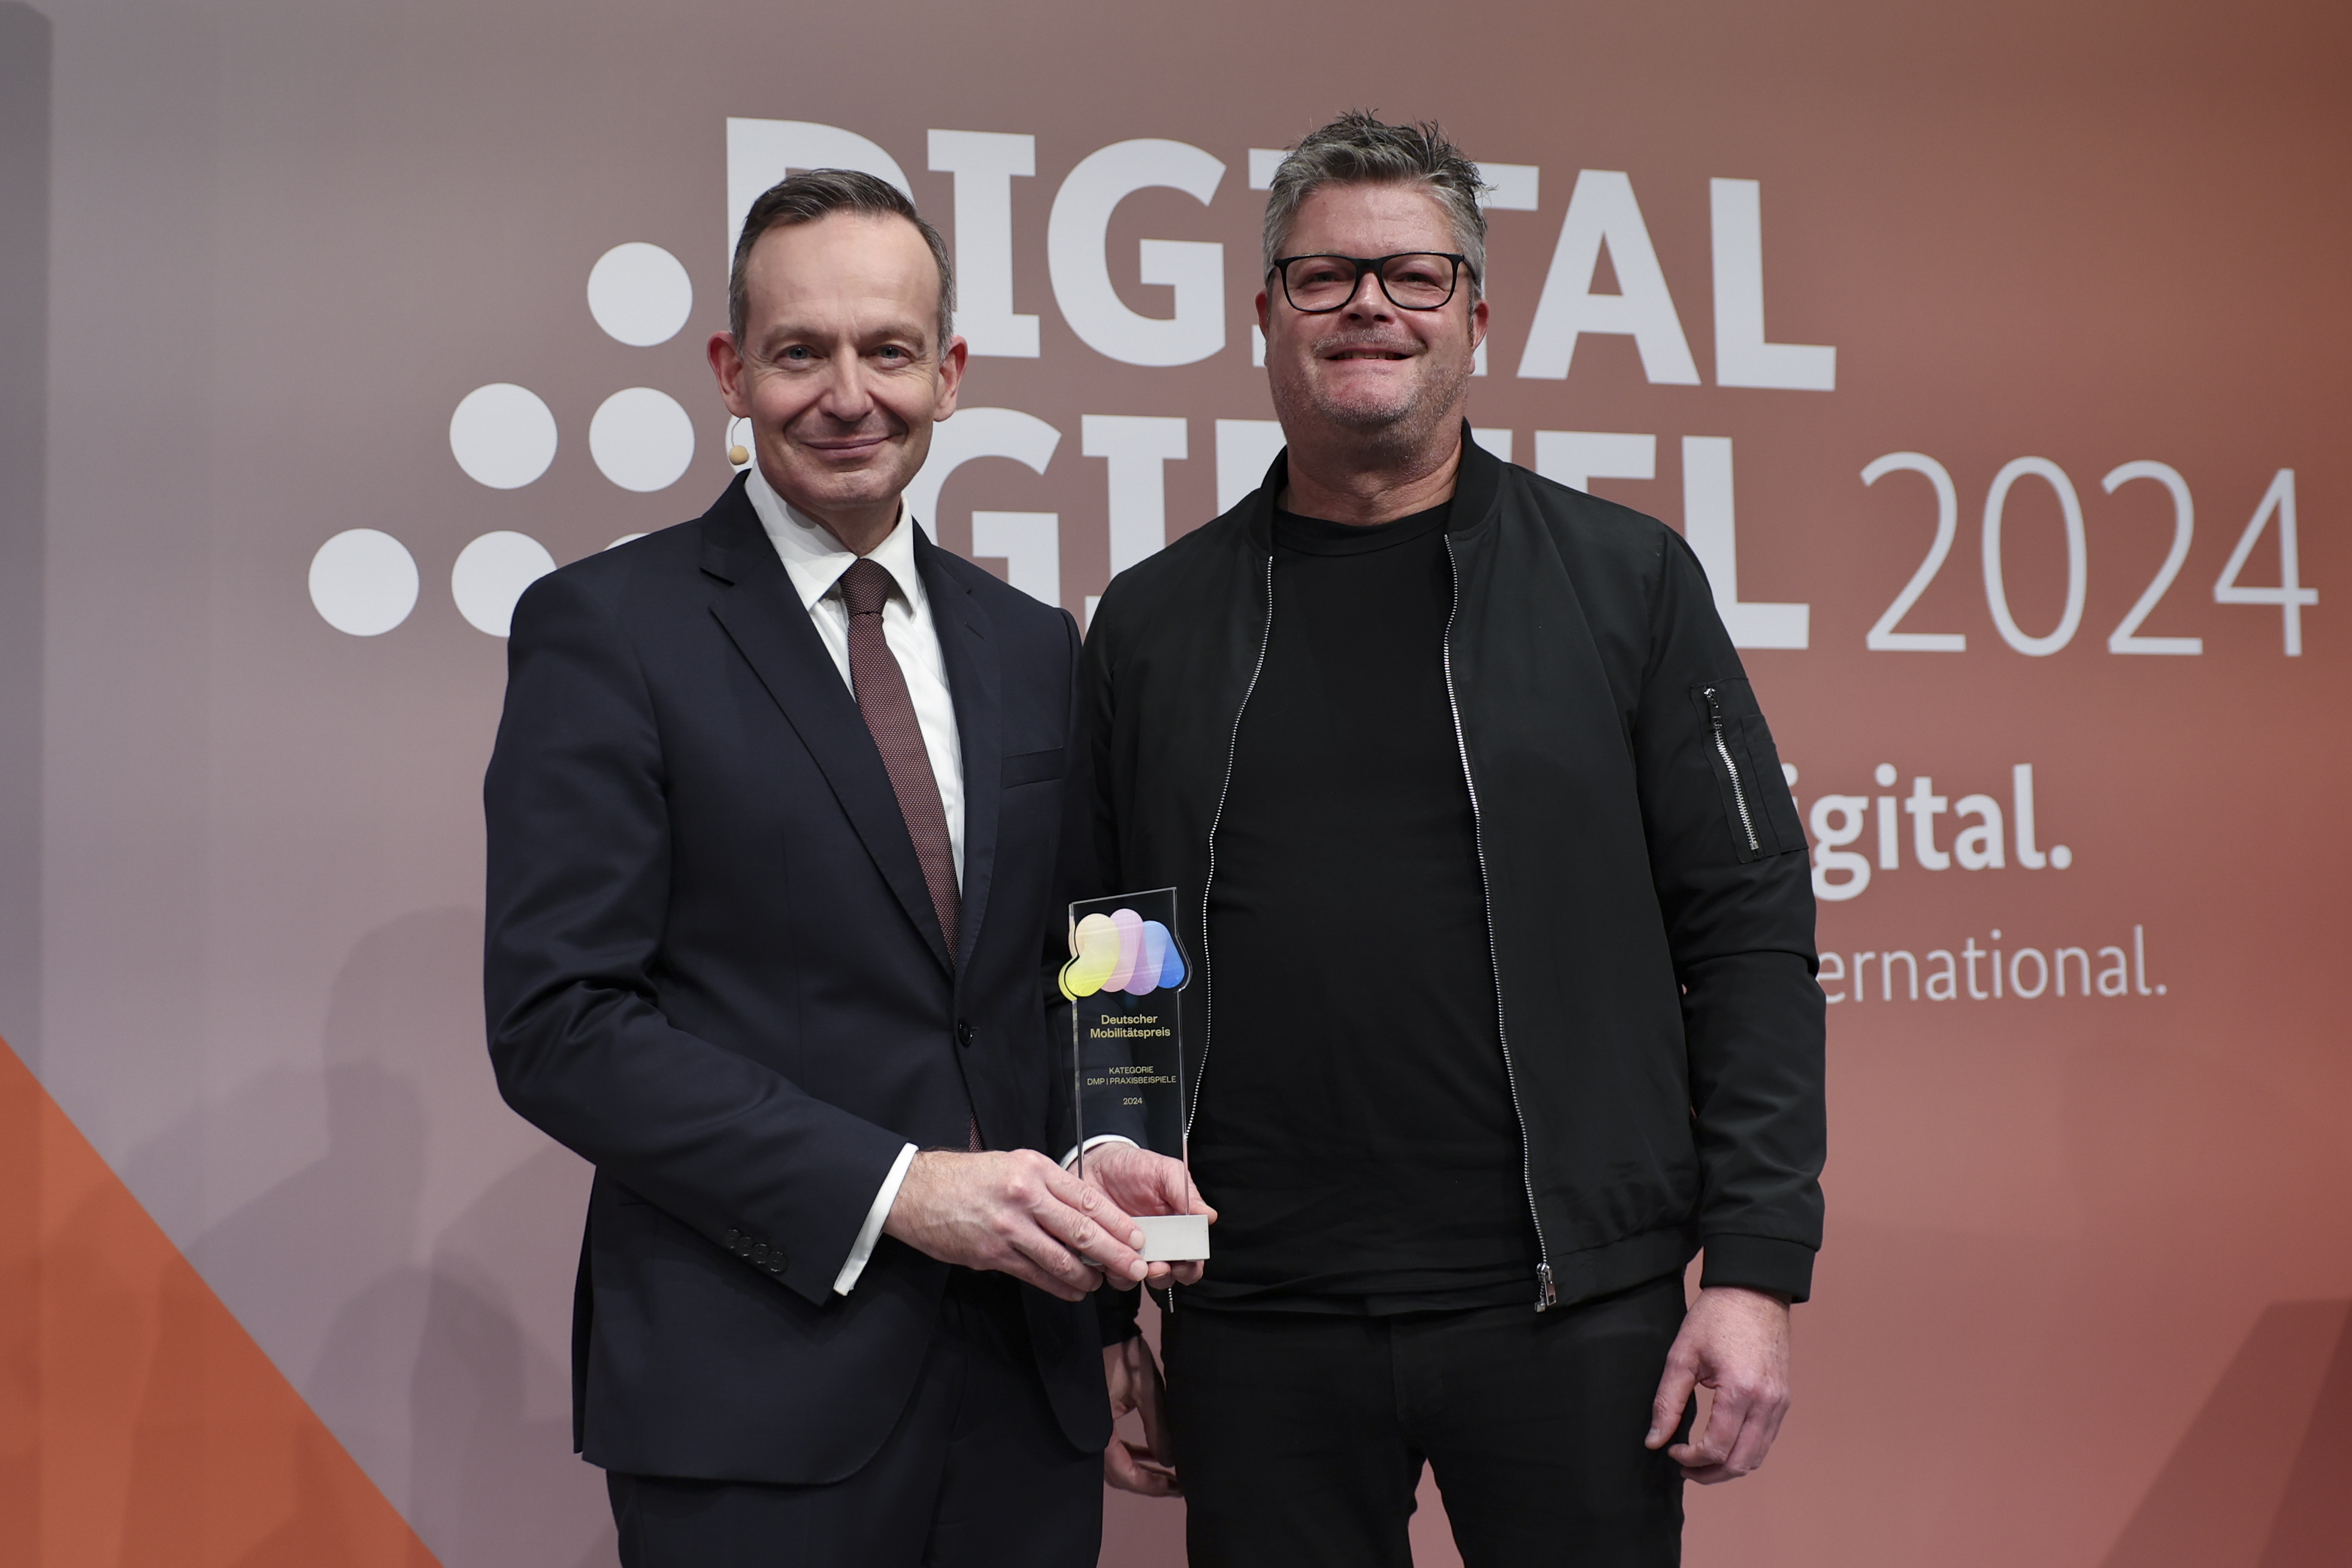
column 849, row 448
column 1366, row 354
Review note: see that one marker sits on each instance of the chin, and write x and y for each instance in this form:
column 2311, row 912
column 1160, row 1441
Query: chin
column 853, row 487
column 1376, row 396
column 1368, row 414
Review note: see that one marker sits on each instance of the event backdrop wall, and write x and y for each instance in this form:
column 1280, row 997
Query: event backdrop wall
column 1992, row 355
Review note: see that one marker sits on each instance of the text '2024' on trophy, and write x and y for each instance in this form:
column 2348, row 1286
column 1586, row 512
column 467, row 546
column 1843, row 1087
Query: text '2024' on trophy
column 1125, row 980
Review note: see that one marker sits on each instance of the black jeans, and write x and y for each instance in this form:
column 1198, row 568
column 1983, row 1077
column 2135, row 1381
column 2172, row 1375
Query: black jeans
column 1301, row 1437
column 976, row 1474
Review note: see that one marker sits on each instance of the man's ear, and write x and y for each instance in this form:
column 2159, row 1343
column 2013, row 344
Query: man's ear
column 727, row 365
column 951, row 366
column 1478, row 324
column 1262, row 323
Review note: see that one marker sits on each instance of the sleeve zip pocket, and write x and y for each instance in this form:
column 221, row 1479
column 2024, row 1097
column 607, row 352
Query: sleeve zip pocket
column 1731, row 773
column 1757, row 811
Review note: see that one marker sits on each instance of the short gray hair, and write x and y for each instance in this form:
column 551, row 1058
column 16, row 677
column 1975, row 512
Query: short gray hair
column 1358, row 150
column 820, row 193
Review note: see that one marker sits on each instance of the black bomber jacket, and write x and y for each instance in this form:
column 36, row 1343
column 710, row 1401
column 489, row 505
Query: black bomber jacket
column 1647, row 890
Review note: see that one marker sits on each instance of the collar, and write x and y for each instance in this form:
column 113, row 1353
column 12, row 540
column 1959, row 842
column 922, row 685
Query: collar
column 814, row 559
column 1477, row 485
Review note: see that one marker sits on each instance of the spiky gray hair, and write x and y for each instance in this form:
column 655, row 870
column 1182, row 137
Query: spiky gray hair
column 1358, row 149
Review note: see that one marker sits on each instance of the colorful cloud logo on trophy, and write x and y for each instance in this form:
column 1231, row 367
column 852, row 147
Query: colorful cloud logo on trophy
column 1121, row 951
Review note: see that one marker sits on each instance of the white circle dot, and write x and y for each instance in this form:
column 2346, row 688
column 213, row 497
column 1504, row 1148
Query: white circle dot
column 502, row 435
column 490, row 575
column 641, row 439
column 1884, row 774
column 640, row 294
column 2159, row 991
column 2061, row 857
column 363, row 582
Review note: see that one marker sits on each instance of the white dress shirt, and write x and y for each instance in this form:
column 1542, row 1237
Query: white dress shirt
column 814, row 559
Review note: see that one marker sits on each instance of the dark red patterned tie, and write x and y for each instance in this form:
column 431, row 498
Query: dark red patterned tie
column 881, row 688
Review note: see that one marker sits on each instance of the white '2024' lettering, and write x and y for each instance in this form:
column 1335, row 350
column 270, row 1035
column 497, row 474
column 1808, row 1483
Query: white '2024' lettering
column 2290, row 596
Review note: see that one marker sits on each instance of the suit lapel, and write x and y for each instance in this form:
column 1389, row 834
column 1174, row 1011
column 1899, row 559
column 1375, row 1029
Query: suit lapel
column 763, row 617
column 975, row 679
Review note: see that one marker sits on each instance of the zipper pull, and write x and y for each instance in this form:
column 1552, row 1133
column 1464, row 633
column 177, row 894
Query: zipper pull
column 1715, row 710
column 1548, row 1293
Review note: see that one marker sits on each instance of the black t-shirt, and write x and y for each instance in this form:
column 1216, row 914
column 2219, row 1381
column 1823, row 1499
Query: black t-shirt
column 1356, row 1131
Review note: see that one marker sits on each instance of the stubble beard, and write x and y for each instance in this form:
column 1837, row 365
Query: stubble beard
column 1386, row 435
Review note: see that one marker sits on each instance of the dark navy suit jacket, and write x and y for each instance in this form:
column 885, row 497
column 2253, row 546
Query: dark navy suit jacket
column 712, row 970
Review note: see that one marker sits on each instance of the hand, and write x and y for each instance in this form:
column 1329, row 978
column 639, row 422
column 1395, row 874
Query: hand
column 1134, row 1378
column 1735, row 1341
column 1141, row 1182
column 1018, row 1214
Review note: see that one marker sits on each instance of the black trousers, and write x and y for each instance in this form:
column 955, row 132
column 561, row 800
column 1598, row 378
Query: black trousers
column 976, row 1474
column 1301, row 1437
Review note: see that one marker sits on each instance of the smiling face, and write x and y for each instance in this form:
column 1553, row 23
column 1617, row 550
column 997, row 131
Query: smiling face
column 837, row 370
column 1370, row 373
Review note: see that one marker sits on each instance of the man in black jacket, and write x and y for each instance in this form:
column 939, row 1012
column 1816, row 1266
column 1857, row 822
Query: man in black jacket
column 1507, row 1004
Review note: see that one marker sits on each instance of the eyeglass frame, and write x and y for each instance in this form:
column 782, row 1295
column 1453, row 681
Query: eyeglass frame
column 1363, row 264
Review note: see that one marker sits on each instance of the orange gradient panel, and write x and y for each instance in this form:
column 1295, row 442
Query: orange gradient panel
column 139, row 1423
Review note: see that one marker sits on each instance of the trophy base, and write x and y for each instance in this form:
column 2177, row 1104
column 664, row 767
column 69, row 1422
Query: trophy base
column 1174, row 1237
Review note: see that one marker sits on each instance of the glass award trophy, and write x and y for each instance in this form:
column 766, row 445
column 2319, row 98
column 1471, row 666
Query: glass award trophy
column 1125, row 980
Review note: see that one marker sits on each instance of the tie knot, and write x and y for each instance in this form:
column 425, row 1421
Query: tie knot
column 866, row 586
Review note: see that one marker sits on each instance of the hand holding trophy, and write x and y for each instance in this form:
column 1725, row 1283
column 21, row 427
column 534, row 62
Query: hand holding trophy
column 1124, row 980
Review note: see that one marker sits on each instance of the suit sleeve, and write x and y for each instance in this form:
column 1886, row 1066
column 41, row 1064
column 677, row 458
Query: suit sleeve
column 579, row 870
column 1728, row 858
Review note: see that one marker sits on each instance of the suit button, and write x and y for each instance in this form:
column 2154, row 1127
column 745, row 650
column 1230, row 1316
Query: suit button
column 964, row 1033
column 734, row 1236
column 760, row 1253
column 776, row 1263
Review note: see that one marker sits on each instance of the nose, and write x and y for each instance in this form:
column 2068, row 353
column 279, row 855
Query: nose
column 846, row 396
column 1369, row 302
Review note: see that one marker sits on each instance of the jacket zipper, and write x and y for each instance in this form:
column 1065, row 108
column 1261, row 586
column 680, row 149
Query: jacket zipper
column 1208, row 881
column 1547, row 1290
column 1739, row 795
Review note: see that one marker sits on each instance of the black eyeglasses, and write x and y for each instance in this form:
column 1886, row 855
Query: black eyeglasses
column 1413, row 279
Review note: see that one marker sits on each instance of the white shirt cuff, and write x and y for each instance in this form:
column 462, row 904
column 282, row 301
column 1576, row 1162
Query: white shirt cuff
column 871, row 1231
column 1072, row 1157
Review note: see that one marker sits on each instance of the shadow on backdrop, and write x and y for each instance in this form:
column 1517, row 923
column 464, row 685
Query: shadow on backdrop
column 430, row 1372
column 23, row 483
column 140, row 1424
column 24, row 441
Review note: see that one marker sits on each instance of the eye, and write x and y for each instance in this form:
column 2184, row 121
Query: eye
column 798, row 354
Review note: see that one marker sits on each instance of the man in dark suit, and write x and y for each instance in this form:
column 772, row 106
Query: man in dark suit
column 780, row 829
